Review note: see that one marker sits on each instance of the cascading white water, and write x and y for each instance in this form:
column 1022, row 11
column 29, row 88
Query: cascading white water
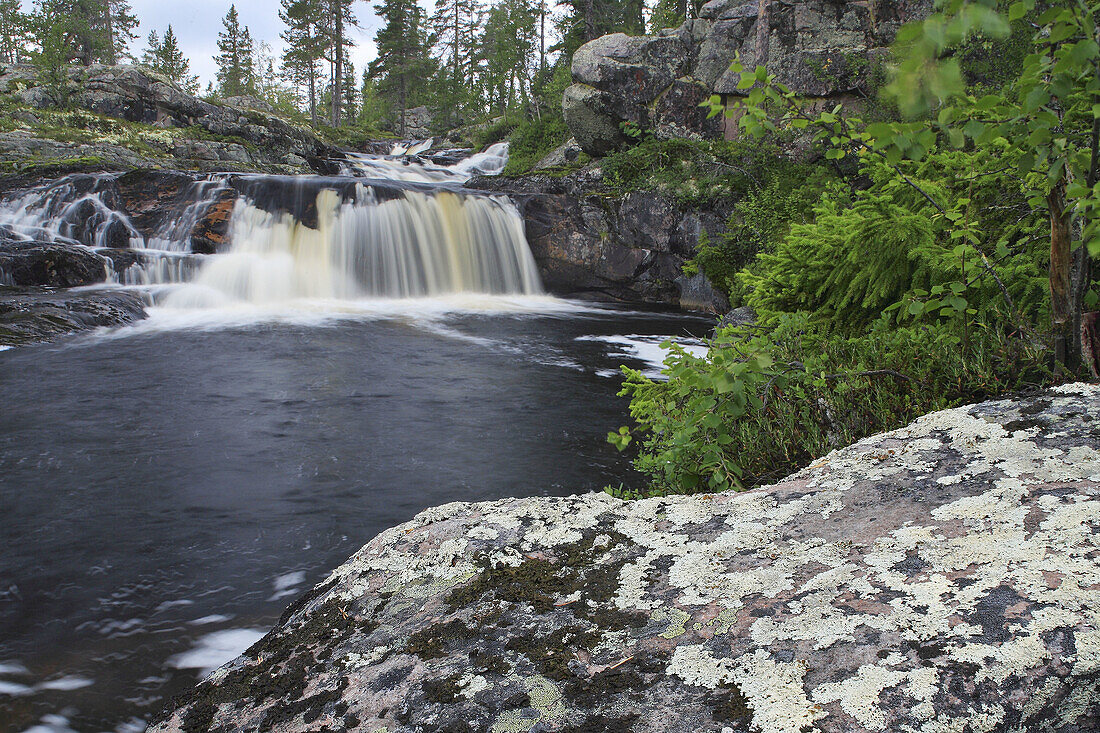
column 413, row 244
column 405, row 167
column 174, row 234
column 84, row 210
column 295, row 238
column 71, row 210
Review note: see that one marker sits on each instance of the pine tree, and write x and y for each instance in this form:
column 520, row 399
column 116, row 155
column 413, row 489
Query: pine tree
column 403, row 63
column 236, row 71
column 340, row 20
column 116, row 23
column 305, row 39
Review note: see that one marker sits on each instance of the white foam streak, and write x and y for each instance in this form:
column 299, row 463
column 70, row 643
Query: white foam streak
column 646, row 349
column 215, row 649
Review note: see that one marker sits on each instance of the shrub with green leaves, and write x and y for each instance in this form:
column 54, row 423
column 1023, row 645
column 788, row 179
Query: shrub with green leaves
column 766, row 400
column 533, row 140
column 760, row 220
column 699, row 172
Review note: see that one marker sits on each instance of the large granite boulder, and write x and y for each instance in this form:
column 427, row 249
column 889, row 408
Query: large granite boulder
column 941, row 577
column 819, row 48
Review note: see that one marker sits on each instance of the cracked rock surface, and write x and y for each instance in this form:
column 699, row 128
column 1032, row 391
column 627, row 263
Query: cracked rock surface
column 941, row 577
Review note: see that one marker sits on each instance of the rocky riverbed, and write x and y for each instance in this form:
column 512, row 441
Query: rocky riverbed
column 940, row 577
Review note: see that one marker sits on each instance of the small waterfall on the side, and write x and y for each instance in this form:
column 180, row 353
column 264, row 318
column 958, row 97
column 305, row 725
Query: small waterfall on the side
column 375, row 243
column 76, row 209
column 87, row 210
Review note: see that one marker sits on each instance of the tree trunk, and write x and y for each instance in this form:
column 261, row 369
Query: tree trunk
column 313, row 94
column 109, row 24
column 1061, row 285
column 1090, row 341
column 338, row 56
column 1085, row 329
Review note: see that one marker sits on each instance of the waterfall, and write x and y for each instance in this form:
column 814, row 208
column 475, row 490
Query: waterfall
column 174, row 233
column 76, row 209
column 376, row 243
column 398, row 228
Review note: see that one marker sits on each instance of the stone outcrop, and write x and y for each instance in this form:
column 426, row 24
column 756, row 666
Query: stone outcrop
column 941, row 577
column 37, row 314
column 240, row 133
column 418, row 123
column 46, row 263
column 589, row 243
column 819, row 48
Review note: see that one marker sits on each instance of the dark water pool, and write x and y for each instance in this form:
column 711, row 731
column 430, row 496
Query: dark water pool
column 164, row 495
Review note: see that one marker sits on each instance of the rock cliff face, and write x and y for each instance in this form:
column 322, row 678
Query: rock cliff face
column 181, row 131
column 819, row 48
column 941, row 577
column 590, row 243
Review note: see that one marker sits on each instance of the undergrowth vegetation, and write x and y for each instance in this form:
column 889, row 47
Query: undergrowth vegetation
column 915, row 276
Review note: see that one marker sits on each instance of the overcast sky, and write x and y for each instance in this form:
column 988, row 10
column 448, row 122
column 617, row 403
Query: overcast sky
column 197, row 23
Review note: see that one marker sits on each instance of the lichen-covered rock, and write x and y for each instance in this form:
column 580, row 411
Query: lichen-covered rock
column 193, row 128
column 564, row 154
column 941, row 577
column 818, row 48
column 592, row 120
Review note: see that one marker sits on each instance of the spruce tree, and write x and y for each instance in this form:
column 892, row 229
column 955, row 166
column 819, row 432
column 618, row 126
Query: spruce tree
column 165, row 57
column 508, row 51
column 152, row 50
column 235, row 62
column 454, row 29
column 590, row 19
column 373, row 107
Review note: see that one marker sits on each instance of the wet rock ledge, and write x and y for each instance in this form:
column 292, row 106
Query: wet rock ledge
column 942, row 577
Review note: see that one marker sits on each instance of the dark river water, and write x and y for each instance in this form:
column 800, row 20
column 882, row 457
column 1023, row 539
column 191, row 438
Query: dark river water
column 166, row 491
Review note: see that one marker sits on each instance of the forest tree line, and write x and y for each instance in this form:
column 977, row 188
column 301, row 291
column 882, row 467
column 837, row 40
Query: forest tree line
column 467, row 61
